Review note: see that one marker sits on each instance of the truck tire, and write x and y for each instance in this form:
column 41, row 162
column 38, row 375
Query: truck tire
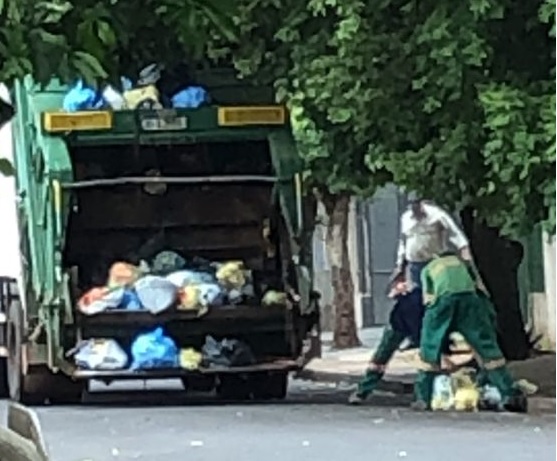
column 41, row 385
column 270, row 386
column 14, row 368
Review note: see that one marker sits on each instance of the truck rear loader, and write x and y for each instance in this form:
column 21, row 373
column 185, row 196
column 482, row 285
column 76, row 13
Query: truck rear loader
column 227, row 186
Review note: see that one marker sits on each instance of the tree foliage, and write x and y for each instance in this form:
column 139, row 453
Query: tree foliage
column 99, row 40
column 453, row 99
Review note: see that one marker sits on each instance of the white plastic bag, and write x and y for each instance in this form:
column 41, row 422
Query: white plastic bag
column 156, row 294
column 442, row 397
column 101, row 354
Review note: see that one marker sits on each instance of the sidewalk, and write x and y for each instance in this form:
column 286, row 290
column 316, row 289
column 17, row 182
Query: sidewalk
column 347, row 367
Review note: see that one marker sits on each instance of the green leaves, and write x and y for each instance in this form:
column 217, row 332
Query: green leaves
column 98, row 40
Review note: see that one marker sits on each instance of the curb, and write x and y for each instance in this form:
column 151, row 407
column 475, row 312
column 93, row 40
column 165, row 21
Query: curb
column 404, row 385
column 398, row 384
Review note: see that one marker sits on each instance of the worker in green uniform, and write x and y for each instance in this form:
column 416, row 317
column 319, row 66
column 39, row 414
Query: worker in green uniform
column 454, row 301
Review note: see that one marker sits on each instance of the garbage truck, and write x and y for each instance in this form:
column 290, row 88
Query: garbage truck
column 221, row 182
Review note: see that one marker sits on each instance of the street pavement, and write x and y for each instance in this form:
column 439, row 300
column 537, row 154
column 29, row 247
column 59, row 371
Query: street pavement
column 314, row 423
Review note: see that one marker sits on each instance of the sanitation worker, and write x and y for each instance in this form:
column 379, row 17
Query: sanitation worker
column 454, row 301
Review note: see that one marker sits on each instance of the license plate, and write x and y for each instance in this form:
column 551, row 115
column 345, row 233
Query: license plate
column 169, row 123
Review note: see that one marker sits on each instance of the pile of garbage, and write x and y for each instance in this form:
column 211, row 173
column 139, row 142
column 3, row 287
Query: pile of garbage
column 170, row 281
column 156, row 350
column 469, row 390
column 145, row 93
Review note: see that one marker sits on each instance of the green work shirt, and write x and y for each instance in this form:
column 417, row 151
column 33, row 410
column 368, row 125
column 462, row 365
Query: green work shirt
column 445, row 276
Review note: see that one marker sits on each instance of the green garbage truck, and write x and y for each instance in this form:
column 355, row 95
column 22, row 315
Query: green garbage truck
column 221, row 182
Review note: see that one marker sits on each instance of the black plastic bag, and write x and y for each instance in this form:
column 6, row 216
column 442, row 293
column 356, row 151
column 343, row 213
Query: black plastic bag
column 226, row 353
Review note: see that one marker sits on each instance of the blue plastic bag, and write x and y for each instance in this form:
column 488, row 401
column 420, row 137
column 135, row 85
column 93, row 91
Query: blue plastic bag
column 81, row 97
column 130, row 301
column 154, row 350
column 190, row 98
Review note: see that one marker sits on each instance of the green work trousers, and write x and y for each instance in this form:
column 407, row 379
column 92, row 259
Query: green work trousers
column 389, row 344
column 473, row 316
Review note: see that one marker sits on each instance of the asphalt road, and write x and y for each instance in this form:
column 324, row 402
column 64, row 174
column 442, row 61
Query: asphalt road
column 313, row 424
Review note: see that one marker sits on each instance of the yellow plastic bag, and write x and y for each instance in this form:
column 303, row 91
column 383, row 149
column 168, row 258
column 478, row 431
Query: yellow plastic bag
column 273, row 298
column 231, row 275
column 189, row 298
column 190, row 359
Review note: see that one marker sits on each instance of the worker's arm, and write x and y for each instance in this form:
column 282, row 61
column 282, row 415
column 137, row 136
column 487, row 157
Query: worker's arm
column 401, row 253
column 427, row 287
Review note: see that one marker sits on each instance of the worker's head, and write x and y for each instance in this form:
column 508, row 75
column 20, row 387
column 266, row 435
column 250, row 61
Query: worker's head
column 415, row 203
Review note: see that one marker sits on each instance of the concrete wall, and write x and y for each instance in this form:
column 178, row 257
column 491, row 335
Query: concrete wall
column 542, row 303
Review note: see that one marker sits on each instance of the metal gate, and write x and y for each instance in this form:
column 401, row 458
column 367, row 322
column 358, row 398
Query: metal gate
column 378, row 227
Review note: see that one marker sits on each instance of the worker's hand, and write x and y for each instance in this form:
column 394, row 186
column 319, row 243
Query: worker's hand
column 466, row 254
column 398, row 288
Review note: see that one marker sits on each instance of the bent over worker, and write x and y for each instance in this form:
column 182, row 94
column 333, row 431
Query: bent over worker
column 454, row 302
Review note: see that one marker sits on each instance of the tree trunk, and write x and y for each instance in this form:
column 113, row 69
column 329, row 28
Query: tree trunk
column 345, row 331
column 498, row 259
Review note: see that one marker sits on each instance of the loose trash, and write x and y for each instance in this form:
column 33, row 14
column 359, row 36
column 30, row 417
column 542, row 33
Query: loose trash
column 156, row 294
column 81, row 97
column 226, row 353
column 154, row 350
column 100, row 354
column 190, row 359
column 527, row 387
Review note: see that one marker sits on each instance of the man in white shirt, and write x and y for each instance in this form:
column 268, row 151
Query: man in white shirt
column 426, row 230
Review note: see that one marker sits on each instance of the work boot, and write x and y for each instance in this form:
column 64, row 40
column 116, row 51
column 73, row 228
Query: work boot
column 356, row 399
column 419, row 405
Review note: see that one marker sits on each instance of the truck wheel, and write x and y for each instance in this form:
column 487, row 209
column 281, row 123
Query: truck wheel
column 233, row 387
column 41, row 384
column 14, row 340
column 270, row 386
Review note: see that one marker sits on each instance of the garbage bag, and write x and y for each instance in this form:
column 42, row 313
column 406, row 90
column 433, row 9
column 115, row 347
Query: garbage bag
column 491, row 397
column 81, row 97
column 147, row 97
column 156, row 294
column 210, row 294
column 231, row 275
column 166, row 262
column 130, row 301
column 150, row 75
column 190, row 359
column 100, row 354
column 100, row 299
column 273, row 298
column 114, row 98
column 442, row 397
column 188, row 297
column 122, row 274
column 154, row 350
column 226, row 353
column 186, row 277
column 190, row 98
